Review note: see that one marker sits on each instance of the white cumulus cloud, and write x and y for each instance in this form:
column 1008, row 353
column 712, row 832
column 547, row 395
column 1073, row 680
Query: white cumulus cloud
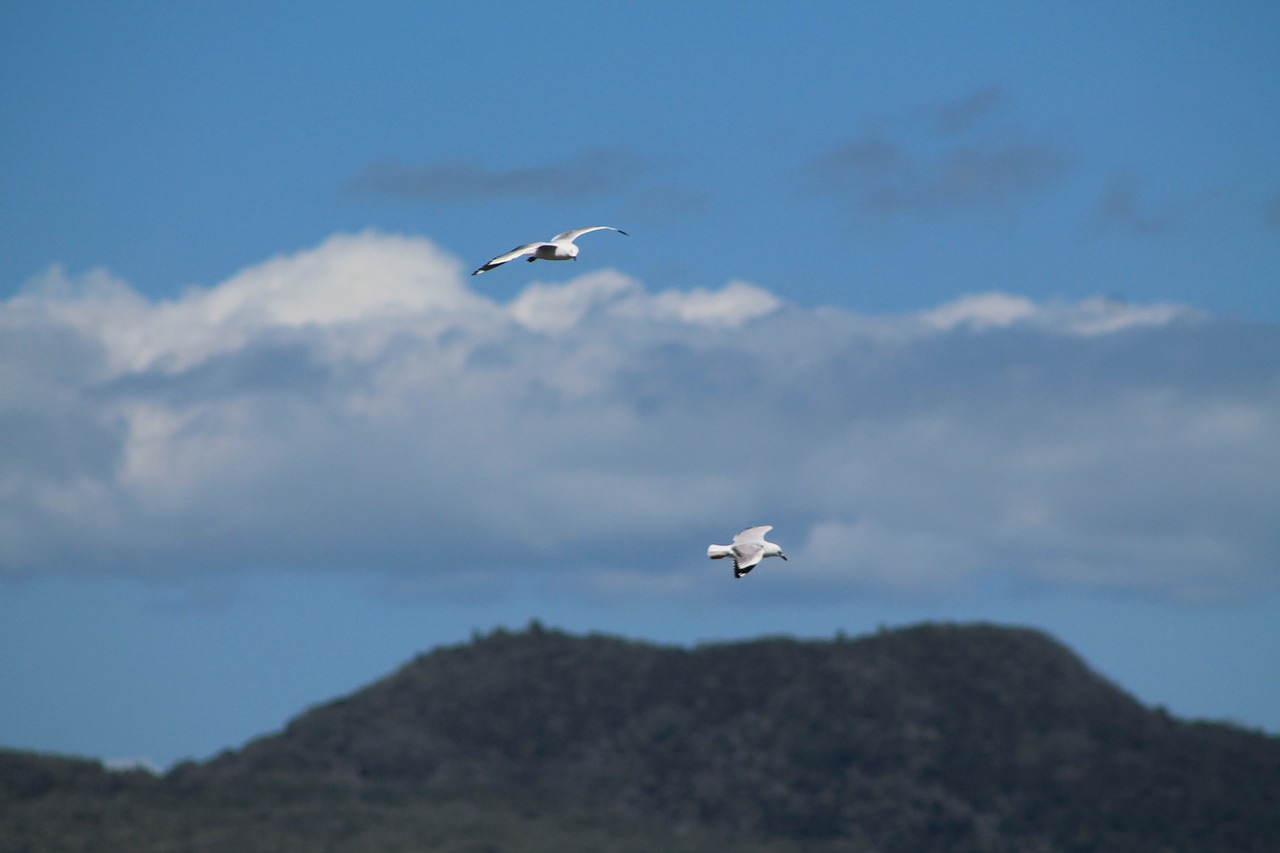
column 357, row 406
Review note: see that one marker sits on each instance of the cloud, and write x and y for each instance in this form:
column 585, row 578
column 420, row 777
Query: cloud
column 1124, row 209
column 941, row 160
column 357, row 407
column 958, row 116
column 1092, row 316
column 590, row 173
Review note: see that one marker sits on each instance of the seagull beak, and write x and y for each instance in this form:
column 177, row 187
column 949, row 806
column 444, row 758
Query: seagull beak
column 784, row 556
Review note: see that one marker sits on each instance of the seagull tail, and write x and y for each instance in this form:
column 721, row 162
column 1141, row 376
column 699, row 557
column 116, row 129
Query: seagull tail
column 717, row 552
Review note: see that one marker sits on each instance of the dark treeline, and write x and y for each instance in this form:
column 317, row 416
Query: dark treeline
column 937, row 737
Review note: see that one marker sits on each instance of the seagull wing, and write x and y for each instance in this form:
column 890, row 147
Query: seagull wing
column 570, row 236
column 752, row 535
column 518, row 251
column 746, row 556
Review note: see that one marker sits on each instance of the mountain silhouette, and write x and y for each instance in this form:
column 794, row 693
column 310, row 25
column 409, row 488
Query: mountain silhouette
column 934, row 737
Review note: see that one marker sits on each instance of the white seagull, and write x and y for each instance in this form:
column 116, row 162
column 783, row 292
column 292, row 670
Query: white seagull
column 558, row 248
column 748, row 548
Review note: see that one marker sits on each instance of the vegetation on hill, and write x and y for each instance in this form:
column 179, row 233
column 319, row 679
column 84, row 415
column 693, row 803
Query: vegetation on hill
column 938, row 737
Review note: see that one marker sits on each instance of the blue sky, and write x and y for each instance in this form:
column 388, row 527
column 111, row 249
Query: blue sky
column 977, row 303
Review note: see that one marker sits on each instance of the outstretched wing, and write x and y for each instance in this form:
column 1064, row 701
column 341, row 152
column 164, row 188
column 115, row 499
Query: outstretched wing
column 746, row 556
column 752, row 535
column 518, row 251
column 570, row 236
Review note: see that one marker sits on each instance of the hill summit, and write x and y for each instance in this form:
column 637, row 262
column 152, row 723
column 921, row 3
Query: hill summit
column 935, row 737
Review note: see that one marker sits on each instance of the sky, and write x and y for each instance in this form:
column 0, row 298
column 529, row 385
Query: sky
column 978, row 304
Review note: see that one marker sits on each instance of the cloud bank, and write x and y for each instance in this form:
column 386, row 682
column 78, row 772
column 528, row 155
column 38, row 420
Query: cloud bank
column 358, row 407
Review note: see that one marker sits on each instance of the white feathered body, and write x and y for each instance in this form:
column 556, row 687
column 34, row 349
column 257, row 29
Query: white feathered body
column 559, row 248
column 748, row 549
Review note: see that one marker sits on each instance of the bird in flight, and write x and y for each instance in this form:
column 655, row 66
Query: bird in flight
column 559, row 248
column 748, row 549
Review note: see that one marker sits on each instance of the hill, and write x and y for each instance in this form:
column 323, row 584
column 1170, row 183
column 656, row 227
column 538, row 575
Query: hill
column 937, row 737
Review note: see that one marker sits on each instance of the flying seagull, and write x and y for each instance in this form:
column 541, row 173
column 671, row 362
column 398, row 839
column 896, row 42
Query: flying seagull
column 558, row 248
column 748, row 548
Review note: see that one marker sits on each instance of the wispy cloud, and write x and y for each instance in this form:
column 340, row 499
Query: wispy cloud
column 356, row 406
column 955, row 117
column 1125, row 208
column 587, row 174
column 942, row 159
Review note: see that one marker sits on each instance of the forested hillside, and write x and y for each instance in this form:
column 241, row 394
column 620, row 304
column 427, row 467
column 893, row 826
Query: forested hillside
column 938, row 737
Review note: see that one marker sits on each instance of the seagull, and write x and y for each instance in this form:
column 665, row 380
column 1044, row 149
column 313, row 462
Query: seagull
column 558, row 248
column 748, row 548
